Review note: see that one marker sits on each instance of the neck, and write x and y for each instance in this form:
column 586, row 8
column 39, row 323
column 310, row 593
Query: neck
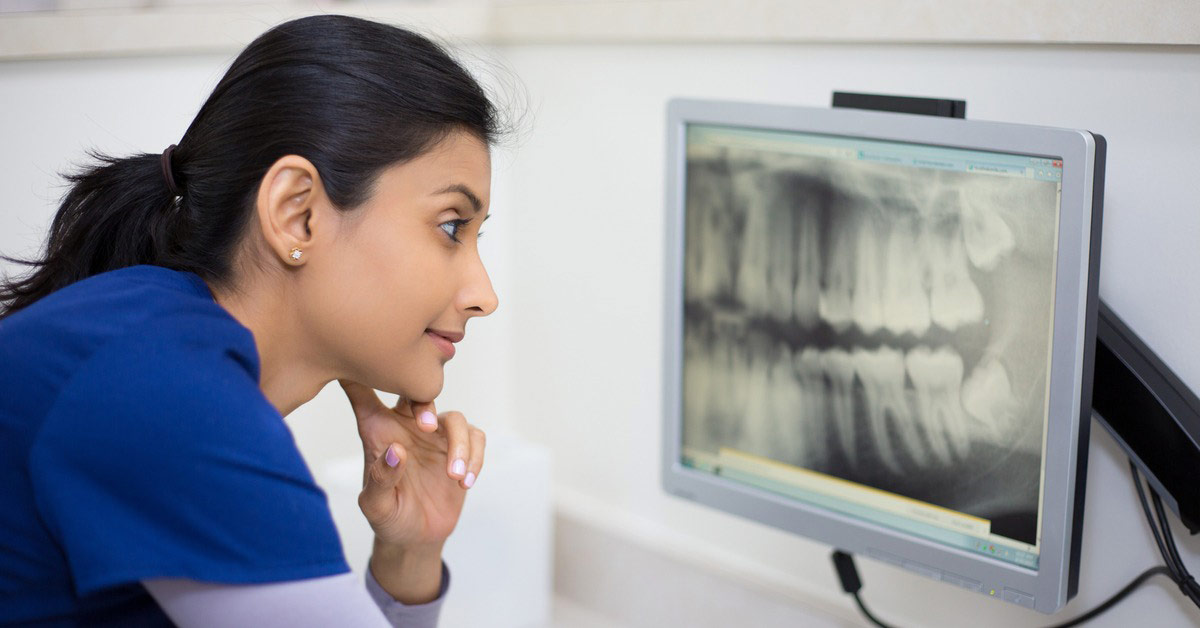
column 289, row 375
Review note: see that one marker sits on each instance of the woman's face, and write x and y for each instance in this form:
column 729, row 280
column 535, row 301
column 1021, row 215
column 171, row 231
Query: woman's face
column 401, row 275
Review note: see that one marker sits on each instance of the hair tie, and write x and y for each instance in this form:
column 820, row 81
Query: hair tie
column 166, row 171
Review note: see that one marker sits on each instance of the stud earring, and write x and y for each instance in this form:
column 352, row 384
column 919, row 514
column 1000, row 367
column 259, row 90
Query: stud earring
column 296, row 253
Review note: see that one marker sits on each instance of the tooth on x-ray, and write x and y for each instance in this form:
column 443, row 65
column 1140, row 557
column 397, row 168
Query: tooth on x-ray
column 839, row 366
column 781, row 276
column 905, row 301
column 867, row 303
column 789, row 437
column 711, row 227
column 808, row 266
column 881, row 372
column 937, row 380
column 954, row 299
column 814, row 407
column 986, row 236
column 987, row 397
column 757, row 419
column 753, row 286
column 835, row 306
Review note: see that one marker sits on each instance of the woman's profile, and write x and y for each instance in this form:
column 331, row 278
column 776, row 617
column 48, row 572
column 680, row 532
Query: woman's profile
column 317, row 221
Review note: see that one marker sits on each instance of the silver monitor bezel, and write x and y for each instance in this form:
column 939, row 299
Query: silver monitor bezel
column 1073, row 305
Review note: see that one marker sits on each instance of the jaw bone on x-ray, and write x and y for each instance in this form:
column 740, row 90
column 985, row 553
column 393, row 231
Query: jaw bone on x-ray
column 884, row 324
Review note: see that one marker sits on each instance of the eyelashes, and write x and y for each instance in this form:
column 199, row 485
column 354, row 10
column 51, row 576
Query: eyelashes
column 451, row 227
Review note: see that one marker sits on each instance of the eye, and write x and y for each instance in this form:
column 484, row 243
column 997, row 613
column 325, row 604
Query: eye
column 451, row 228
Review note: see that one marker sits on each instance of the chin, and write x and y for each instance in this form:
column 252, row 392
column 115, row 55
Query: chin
column 426, row 390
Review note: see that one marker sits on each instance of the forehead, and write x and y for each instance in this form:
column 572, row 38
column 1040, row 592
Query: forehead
column 461, row 159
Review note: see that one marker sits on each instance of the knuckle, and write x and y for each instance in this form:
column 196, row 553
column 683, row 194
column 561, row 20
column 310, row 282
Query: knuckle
column 378, row 474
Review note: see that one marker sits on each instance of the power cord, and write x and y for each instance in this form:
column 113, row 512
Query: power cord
column 1164, row 539
column 1174, row 569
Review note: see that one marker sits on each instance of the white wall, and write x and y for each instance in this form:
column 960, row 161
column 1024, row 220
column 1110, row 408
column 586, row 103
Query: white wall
column 588, row 204
column 572, row 358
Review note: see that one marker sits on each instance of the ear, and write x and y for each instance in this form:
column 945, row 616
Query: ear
column 291, row 206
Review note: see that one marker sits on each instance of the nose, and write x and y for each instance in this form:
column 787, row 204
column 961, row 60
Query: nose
column 477, row 298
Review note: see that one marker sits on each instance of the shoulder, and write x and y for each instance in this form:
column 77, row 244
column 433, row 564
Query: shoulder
column 144, row 302
column 180, row 372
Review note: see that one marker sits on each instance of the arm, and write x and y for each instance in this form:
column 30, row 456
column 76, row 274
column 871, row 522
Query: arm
column 339, row 600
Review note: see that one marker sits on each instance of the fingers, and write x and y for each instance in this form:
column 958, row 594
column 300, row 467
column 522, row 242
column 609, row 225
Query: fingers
column 464, row 451
column 378, row 496
column 363, row 399
column 425, row 413
column 478, row 443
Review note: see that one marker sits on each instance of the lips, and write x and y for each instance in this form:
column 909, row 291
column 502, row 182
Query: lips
column 444, row 340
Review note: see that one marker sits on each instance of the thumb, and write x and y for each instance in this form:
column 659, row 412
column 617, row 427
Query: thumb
column 377, row 499
column 362, row 398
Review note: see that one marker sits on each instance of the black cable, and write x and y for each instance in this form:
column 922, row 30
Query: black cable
column 1162, row 548
column 862, row 607
column 1159, row 526
column 1118, row 596
column 1088, row 616
column 1166, row 544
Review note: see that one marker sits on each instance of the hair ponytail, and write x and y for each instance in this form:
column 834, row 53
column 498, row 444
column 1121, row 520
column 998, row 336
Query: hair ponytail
column 117, row 213
column 352, row 96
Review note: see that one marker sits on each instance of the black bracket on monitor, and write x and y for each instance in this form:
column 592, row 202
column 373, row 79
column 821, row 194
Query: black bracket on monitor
column 941, row 107
column 1135, row 396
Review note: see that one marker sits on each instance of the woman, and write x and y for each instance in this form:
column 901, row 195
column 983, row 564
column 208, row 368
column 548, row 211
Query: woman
column 317, row 221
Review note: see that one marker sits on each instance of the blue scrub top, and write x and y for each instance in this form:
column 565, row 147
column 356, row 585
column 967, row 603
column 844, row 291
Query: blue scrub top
column 135, row 443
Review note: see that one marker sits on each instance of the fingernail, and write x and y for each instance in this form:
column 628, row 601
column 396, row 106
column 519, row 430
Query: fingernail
column 459, row 467
column 469, row 481
column 427, row 418
column 392, row 458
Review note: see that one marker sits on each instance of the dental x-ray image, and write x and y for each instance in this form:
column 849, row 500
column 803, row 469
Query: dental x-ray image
column 880, row 323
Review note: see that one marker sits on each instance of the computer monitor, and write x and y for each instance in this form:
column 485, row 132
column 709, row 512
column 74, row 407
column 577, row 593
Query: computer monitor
column 879, row 334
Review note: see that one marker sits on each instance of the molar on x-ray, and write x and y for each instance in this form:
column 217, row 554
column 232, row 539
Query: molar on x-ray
column 833, row 308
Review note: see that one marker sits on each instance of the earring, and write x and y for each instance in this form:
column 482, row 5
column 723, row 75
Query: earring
column 296, row 253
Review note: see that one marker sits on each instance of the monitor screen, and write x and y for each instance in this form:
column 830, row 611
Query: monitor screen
column 866, row 329
column 884, row 317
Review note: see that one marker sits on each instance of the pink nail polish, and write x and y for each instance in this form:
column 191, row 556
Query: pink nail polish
column 428, row 418
column 391, row 457
column 458, row 467
column 469, row 481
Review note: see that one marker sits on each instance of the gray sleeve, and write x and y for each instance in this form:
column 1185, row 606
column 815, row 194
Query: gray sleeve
column 338, row 600
column 409, row 615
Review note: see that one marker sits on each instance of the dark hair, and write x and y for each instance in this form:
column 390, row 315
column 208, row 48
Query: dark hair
column 350, row 95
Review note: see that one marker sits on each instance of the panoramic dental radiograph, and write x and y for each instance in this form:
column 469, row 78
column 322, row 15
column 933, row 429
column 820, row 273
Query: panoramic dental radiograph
column 880, row 323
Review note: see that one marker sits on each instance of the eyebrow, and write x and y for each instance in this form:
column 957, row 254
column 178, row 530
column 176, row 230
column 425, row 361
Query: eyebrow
column 465, row 191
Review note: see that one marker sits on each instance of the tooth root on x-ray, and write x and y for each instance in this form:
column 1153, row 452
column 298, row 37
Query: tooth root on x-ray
column 867, row 303
column 788, row 438
column 714, row 264
column 780, row 256
column 757, row 412
column 985, row 234
column 988, row 399
column 834, row 304
column 882, row 374
column 954, row 300
column 839, row 366
column 808, row 266
column 753, row 289
column 696, row 383
column 937, row 380
column 814, row 408
column 922, row 370
column 905, row 301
